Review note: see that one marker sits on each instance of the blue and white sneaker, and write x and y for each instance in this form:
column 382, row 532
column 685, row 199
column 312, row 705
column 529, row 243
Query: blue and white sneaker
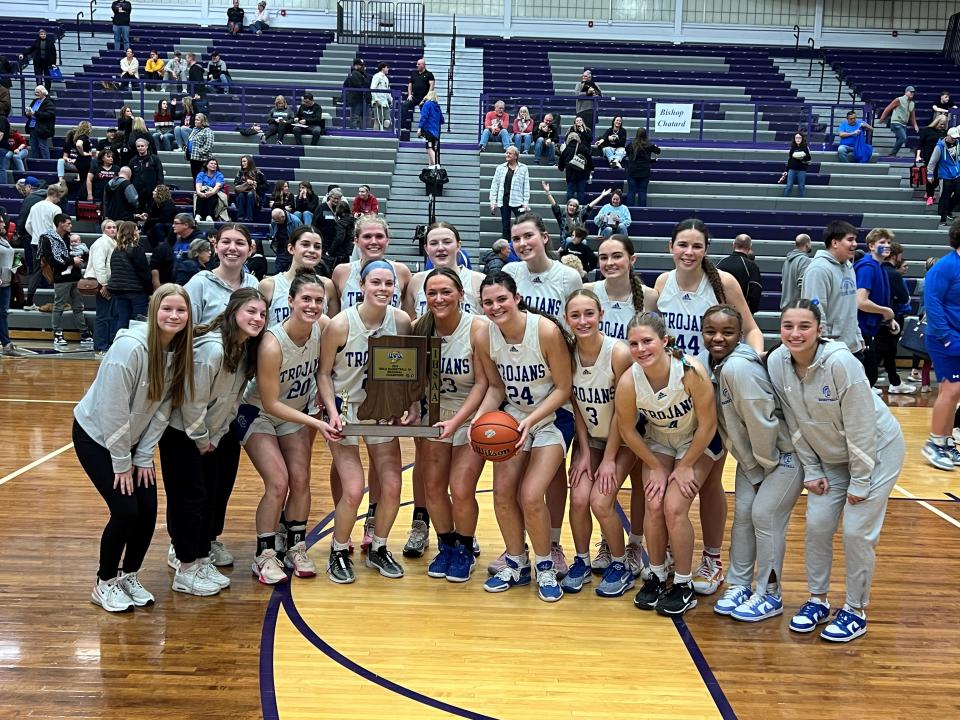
column 758, row 607
column 810, row 615
column 440, row 564
column 846, row 626
column 461, row 564
column 578, row 574
column 617, row 579
column 510, row 576
column 734, row 596
column 549, row 589
column 937, row 456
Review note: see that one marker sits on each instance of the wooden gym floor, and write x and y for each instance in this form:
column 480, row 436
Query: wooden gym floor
column 421, row 648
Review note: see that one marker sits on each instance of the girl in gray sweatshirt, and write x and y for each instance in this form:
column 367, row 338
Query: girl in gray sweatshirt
column 147, row 372
column 224, row 360
column 851, row 449
column 768, row 476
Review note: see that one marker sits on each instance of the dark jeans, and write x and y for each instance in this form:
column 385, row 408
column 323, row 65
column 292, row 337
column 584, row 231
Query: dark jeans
column 129, row 306
column 276, row 129
column 357, row 119
column 406, row 118
column 39, row 147
column 949, row 197
column 132, row 517
column 244, row 202
column 637, row 191
column 4, row 307
column 105, row 323
column 207, row 206
column 507, row 214
column 577, row 189
column 315, row 132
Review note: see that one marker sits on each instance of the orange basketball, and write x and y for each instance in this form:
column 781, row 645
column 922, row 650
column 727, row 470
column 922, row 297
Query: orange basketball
column 494, row 436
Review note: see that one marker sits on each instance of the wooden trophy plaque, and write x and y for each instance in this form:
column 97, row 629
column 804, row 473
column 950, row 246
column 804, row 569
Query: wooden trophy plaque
column 401, row 369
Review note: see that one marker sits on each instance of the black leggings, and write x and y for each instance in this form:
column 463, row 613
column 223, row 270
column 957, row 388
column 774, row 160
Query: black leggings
column 220, row 471
column 885, row 344
column 132, row 517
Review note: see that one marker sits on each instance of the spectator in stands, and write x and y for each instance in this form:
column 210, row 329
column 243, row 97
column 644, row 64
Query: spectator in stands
column 130, row 282
column 578, row 247
column 327, row 212
column 125, row 122
column 794, row 267
column 888, row 337
column 420, row 83
column 120, row 197
column 101, row 172
column 163, row 258
column 43, row 53
column 282, row 225
column 545, row 140
column 98, row 268
column 38, row 215
column 365, row 203
column 280, row 120
column 257, row 262
column 163, row 126
column 945, row 164
column 614, row 217
column 510, row 189
column 496, row 124
column 523, row 130
column 121, row 24
column 76, row 153
column 129, row 69
column 357, row 101
column 798, row 159
column 181, row 132
column 572, row 261
column 431, row 119
column 176, row 71
column 7, row 348
column 195, row 77
column 577, row 164
column 587, row 92
column 282, row 197
column 496, row 257
column 743, row 267
column 139, row 132
column 929, row 137
column 41, row 123
column 153, row 70
column 200, row 144
column 943, row 106
column 853, row 146
column 217, row 74
column 309, row 119
column 306, row 203
column 261, row 19
column 832, row 282
column 901, row 110
column 580, row 127
column 382, row 100
column 5, row 84
column 197, row 258
column 147, row 173
column 209, row 183
column 341, row 246
column 14, row 150
column 249, row 185
column 234, row 19
column 873, row 299
column 158, row 217
column 67, row 271
column 613, row 143
column 112, row 141
column 573, row 215
column 640, row 159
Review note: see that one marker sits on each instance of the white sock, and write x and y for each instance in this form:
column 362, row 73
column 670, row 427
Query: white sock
column 377, row 542
column 555, row 535
column 621, row 559
column 520, row 560
column 543, row 558
column 679, row 579
column 660, row 571
column 340, row 546
column 585, row 557
column 635, row 539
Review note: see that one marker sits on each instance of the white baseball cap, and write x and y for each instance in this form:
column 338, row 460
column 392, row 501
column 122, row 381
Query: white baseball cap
column 954, row 132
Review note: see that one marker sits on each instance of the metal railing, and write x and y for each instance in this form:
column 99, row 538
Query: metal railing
column 79, row 16
column 381, row 22
column 453, row 62
column 951, row 41
column 93, row 9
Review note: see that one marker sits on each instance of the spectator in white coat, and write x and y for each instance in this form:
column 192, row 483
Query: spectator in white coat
column 510, row 189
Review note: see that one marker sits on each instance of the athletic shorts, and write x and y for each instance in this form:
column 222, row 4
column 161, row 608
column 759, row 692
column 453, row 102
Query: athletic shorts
column 675, row 445
column 348, row 416
column 251, row 419
column 946, row 366
column 460, row 437
column 551, row 431
column 430, row 140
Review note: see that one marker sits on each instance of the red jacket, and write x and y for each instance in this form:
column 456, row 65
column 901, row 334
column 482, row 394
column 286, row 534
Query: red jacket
column 492, row 115
column 370, row 206
column 15, row 140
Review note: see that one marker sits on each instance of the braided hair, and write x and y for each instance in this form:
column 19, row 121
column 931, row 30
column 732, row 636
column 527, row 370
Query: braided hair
column 636, row 284
column 713, row 275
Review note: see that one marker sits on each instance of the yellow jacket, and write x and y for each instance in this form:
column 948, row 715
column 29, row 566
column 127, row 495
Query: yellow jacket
column 155, row 65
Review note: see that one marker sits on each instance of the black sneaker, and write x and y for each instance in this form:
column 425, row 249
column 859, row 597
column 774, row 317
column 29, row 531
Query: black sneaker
column 382, row 560
column 86, row 340
column 677, row 600
column 650, row 593
column 340, row 567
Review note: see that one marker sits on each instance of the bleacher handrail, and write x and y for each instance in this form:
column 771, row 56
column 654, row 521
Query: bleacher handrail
column 951, row 41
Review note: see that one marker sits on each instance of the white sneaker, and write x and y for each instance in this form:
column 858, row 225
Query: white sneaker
column 418, row 540
column 210, row 570
column 877, row 391
column 195, row 581
column 219, row 555
column 635, row 562
column 110, row 596
column 299, row 561
column 172, row 561
column 902, row 389
column 709, row 576
column 602, row 560
column 130, row 582
column 268, row 569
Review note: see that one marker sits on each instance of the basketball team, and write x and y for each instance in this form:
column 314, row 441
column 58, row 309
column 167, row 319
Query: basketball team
column 658, row 384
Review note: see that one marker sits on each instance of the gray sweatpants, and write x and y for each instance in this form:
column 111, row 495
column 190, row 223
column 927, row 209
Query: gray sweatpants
column 63, row 293
column 861, row 525
column 762, row 508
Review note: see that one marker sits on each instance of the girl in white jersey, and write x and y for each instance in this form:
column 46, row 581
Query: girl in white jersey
column 224, row 359
column 622, row 297
column 674, row 394
column 343, row 376
column 442, row 246
column 600, row 462
column 685, row 293
column 306, row 250
column 526, row 359
column 544, row 285
column 274, row 429
column 449, row 467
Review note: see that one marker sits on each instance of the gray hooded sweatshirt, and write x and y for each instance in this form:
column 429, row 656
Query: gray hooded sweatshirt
column 794, row 268
column 115, row 412
column 216, row 397
column 751, row 422
column 833, row 410
column 129, row 193
column 834, row 286
column 209, row 294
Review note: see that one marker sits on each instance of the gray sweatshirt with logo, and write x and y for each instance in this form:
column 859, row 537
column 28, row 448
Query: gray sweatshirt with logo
column 834, row 286
column 209, row 294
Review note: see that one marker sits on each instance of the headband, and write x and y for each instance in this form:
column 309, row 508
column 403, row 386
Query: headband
column 377, row 265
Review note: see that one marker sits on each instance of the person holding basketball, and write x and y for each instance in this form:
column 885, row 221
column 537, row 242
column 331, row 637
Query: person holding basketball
column 601, row 462
column 450, row 468
column 146, row 372
column 274, row 428
column 684, row 294
column 526, row 358
column 442, row 246
column 672, row 392
column 769, row 477
column 306, row 251
column 343, row 376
